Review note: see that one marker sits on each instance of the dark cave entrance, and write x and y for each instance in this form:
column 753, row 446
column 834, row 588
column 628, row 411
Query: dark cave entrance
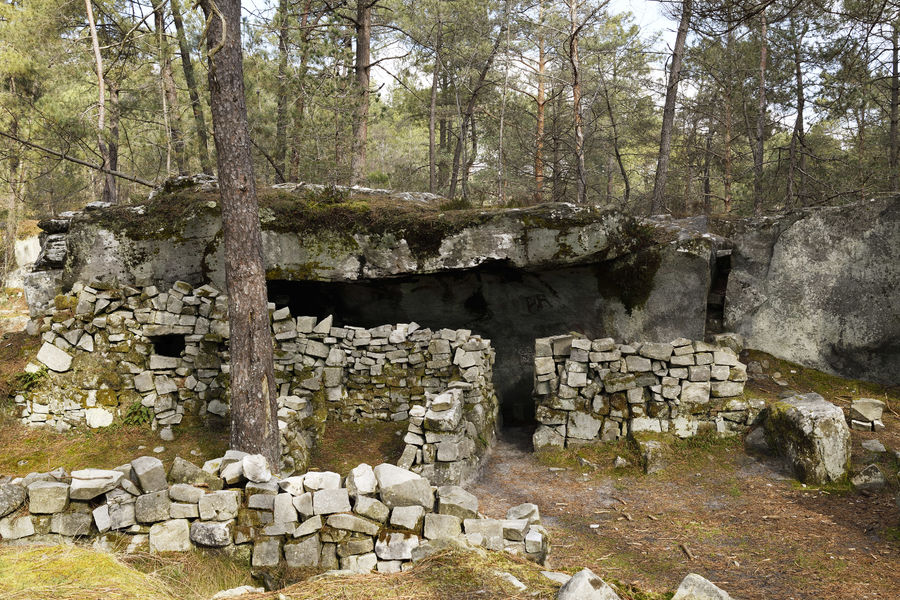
column 509, row 306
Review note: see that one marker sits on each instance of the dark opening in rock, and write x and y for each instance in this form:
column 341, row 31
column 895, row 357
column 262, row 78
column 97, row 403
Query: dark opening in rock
column 168, row 345
column 508, row 305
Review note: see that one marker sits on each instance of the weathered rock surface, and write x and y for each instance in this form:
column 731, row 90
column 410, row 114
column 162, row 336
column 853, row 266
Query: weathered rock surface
column 812, row 435
column 695, row 587
column 520, row 273
column 819, row 287
column 11, row 497
column 585, row 585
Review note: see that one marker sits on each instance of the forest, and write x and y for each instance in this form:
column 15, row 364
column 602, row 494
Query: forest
column 741, row 107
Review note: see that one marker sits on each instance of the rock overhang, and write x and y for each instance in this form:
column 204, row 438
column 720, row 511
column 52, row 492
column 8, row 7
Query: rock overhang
column 315, row 236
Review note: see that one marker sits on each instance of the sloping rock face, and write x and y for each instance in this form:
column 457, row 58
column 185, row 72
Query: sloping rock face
column 811, row 434
column 510, row 275
column 819, row 287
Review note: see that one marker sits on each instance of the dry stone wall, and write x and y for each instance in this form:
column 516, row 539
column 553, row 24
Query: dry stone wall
column 379, row 518
column 145, row 354
column 587, row 390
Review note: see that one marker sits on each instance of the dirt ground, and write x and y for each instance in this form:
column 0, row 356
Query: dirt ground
column 735, row 519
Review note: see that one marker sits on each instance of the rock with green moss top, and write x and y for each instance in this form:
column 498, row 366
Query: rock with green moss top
column 811, row 434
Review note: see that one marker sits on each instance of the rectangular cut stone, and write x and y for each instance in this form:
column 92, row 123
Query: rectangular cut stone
column 327, row 502
column 636, row 364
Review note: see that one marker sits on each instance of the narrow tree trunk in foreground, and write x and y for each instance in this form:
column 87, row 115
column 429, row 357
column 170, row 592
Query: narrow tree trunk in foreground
column 279, row 154
column 109, row 182
column 361, row 117
column 575, row 64
column 540, row 118
column 665, row 138
column 170, row 94
column 254, row 425
column 758, row 154
column 894, row 156
column 191, row 81
column 432, row 112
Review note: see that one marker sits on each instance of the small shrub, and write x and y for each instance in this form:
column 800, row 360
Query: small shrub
column 455, row 204
column 137, row 414
column 26, row 381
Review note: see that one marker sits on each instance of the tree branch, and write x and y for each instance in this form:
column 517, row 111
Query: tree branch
column 78, row 161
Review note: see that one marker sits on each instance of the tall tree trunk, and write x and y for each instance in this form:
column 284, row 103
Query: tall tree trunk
column 114, row 116
column 170, row 94
column 190, row 80
column 432, row 109
column 657, row 203
column 759, row 153
column 12, row 220
column 254, row 424
column 279, row 154
column 707, row 184
column 467, row 117
column 797, row 151
column 575, row 65
column 541, row 102
column 470, row 158
column 894, row 154
column 300, row 100
column 729, row 125
column 557, row 190
column 109, row 182
column 501, row 173
column 361, row 115
column 616, row 149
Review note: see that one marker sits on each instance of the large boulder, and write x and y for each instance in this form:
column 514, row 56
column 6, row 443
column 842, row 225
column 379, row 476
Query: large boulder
column 819, row 287
column 811, row 434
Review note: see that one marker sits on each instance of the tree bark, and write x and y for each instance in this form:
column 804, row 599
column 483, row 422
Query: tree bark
column 279, row 155
column 170, row 94
column 729, row 124
column 657, row 204
column 432, row 110
column 615, row 132
column 190, row 80
column 541, row 102
column 254, row 424
column 795, row 192
column 114, row 116
column 707, row 184
column 300, row 100
column 501, row 172
column 575, row 65
column 894, row 154
column 758, row 154
column 467, row 117
column 109, row 183
column 361, row 114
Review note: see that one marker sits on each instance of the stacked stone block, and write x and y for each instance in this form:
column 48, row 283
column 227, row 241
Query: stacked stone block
column 865, row 414
column 104, row 340
column 589, row 390
column 377, row 518
column 442, row 442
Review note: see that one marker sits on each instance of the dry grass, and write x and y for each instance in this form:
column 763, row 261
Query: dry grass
column 455, row 575
column 27, row 449
column 194, row 575
column 73, row 573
